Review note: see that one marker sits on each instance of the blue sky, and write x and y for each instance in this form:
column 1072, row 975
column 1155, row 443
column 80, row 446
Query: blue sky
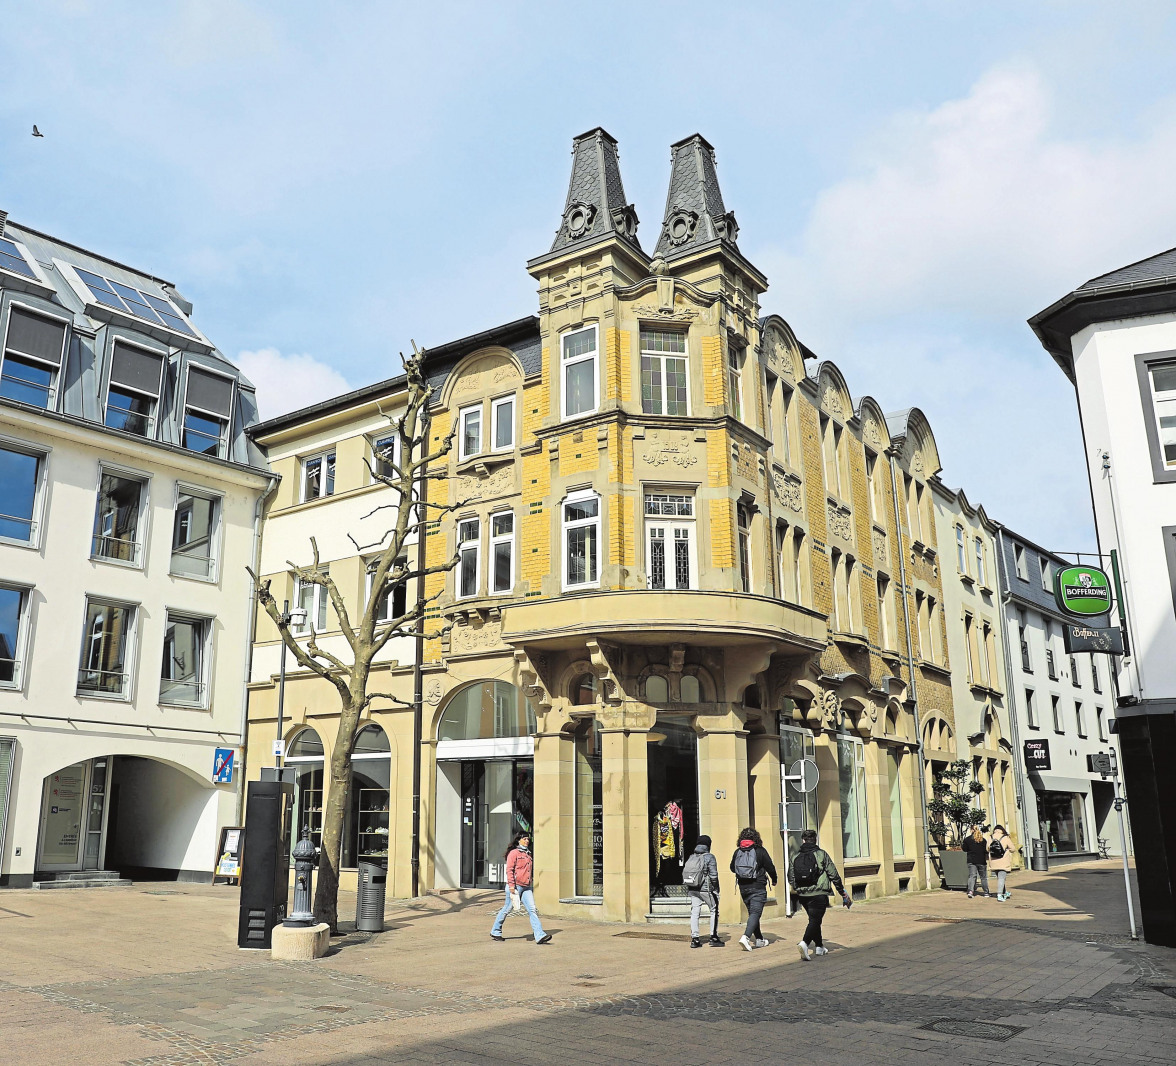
column 327, row 181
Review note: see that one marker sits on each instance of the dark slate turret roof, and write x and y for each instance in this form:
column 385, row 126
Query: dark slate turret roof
column 1154, row 268
column 596, row 206
column 695, row 215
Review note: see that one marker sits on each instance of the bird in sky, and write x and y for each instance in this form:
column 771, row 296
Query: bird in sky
column 37, row 132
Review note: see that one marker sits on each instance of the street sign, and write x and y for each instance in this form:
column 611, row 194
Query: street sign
column 1037, row 755
column 1084, row 590
column 222, row 766
column 1099, row 763
column 804, row 775
column 279, row 748
column 1078, row 637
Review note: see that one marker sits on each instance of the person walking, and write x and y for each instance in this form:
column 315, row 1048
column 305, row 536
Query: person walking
column 1000, row 859
column 753, row 869
column 520, row 872
column 700, row 875
column 976, row 848
column 812, row 878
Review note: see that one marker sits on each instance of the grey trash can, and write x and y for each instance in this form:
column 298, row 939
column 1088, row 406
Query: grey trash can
column 369, row 898
column 1040, row 860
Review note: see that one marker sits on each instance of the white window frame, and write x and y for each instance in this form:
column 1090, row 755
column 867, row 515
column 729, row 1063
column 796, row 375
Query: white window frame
column 36, row 519
column 1055, row 706
column 566, row 527
column 464, row 415
column 319, row 601
column 981, row 561
column 1031, row 718
column 143, row 522
column 494, row 541
column 204, row 682
column 119, row 341
column 471, row 549
column 961, row 551
column 564, row 364
column 369, row 576
column 1079, row 719
column 20, row 650
column 225, row 419
column 684, row 355
column 377, row 461
column 214, row 535
column 129, row 663
column 860, row 794
column 498, row 417
column 55, row 388
column 1019, row 563
column 304, row 462
column 735, row 357
column 668, row 525
column 1100, row 716
column 1046, row 573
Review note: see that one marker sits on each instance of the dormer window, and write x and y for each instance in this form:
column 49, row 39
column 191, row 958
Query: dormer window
column 132, row 395
column 664, row 383
column 33, row 350
column 578, row 357
column 208, row 402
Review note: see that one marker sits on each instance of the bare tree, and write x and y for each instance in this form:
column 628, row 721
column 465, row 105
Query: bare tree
column 404, row 468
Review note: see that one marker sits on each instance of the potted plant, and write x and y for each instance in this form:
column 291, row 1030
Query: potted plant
column 953, row 818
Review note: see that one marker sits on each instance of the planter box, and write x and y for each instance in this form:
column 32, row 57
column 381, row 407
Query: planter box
column 955, row 869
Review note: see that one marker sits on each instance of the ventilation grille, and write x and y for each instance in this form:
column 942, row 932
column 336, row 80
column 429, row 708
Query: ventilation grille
column 3, row 219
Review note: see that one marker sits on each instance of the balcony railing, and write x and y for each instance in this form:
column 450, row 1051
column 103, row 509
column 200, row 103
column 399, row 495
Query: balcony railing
column 191, row 564
column 14, row 527
column 9, row 673
column 188, row 693
column 107, row 682
column 121, row 548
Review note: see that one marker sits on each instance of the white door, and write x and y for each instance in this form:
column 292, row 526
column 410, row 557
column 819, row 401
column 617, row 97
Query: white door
column 669, row 556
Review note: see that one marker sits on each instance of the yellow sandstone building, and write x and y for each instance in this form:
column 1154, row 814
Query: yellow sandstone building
column 687, row 558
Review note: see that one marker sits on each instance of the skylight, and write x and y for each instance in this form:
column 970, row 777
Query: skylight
column 11, row 259
column 140, row 304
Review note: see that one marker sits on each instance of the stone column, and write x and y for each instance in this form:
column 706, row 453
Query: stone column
column 763, row 760
column 828, row 797
column 554, row 815
column 878, row 814
column 625, row 781
column 723, row 807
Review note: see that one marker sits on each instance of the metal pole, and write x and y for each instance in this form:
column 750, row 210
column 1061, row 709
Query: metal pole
column 1123, row 842
column 418, row 664
column 282, row 687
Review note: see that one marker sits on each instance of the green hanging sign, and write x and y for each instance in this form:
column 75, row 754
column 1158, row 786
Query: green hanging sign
column 1084, row 590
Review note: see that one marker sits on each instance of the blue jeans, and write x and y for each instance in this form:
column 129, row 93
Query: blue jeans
column 977, row 874
column 528, row 898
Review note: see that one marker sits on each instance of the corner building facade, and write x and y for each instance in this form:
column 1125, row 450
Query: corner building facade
column 686, row 559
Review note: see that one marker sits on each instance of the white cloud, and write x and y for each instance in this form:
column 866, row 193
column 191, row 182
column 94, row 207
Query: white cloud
column 288, row 382
column 977, row 205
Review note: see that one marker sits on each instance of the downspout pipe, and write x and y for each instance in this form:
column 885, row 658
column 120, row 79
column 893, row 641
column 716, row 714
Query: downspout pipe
column 258, row 508
column 1006, row 597
column 906, row 617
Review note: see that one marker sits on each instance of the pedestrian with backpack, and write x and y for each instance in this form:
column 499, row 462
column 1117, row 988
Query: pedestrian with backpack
column 1000, row 859
column 753, row 869
column 812, row 878
column 700, row 875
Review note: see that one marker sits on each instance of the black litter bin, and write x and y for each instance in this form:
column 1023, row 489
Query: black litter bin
column 1040, row 860
column 369, row 898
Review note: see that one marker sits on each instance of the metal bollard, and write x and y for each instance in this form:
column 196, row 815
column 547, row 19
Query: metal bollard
column 1040, row 860
column 305, row 858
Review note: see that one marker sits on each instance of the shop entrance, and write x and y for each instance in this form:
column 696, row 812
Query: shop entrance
column 673, row 804
column 496, row 798
column 73, row 817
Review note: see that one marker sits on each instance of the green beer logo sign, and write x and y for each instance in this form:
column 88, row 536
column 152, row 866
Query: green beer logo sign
column 1083, row 590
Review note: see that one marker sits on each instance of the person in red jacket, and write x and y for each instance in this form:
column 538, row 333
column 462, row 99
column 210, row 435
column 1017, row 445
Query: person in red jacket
column 520, row 869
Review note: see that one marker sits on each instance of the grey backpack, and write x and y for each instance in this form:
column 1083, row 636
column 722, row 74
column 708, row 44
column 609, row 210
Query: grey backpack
column 694, row 872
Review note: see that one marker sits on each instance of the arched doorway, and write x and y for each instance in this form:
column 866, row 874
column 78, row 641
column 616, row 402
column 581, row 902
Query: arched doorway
column 366, row 832
column 673, row 803
column 305, row 756
column 485, row 782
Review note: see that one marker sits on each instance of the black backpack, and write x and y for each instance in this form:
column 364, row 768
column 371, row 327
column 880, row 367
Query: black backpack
column 996, row 850
column 806, row 869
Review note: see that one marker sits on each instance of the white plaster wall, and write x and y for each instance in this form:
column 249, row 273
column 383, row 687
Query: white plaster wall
column 62, row 575
column 447, row 851
column 1113, row 421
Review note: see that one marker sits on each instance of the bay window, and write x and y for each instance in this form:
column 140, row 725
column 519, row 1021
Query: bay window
column 502, row 552
column 578, row 359
column 468, row 543
column 669, row 540
column 664, row 381
column 581, row 540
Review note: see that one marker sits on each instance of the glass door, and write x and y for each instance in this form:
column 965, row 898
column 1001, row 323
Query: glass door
column 63, row 816
column 95, row 815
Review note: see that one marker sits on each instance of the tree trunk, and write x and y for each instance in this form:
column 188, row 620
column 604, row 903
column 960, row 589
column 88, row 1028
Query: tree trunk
column 326, row 894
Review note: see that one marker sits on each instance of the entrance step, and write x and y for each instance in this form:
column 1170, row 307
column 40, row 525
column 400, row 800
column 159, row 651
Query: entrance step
column 672, row 910
column 82, row 879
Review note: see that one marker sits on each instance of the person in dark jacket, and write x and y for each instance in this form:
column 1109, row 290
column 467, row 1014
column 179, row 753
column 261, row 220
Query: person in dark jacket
column 976, row 848
column 814, row 898
column 751, row 857
column 707, row 892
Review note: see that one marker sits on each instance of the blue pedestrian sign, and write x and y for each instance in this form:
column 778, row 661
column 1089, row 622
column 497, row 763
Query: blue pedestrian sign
column 222, row 766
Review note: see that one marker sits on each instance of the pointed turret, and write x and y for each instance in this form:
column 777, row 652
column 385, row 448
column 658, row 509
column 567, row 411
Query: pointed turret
column 596, row 207
column 695, row 215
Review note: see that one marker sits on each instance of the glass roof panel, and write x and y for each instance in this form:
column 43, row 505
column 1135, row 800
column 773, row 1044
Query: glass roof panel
column 11, row 259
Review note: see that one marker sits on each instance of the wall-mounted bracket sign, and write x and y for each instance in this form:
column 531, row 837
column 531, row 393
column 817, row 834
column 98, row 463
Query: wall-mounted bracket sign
column 1037, row 755
column 1084, row 590
column 1078, row 637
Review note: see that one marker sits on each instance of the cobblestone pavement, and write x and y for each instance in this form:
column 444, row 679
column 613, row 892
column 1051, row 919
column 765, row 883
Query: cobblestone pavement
column 151, row 976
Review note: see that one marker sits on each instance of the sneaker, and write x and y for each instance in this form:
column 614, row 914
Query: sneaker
column 747, row 944
column 820, row 951
column 544, row 939
column 695, row 942
column 969, row 895
column 715, row 942
column 804, row 951
column 497, row 936
column 760, row 942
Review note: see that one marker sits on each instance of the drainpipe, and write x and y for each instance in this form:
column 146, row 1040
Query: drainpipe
column 418, row 679
column 252, row 614
column 1006, row 595
column 906, row 617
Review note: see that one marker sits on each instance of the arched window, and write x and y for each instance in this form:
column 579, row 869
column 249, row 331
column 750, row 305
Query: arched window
column 487, row 710
column 690, row 689
column 657, row 689
column 305, row 756
column 305, row 745
column 584, row 690
column 366, row 835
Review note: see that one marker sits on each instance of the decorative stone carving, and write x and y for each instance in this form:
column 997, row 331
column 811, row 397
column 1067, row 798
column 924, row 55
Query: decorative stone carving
column 787, row 490
column 675, row 314
column 830, row 707
column 506, row 372
column 433, row 692
column 832, row 402
column 917, row 462
column 467, row 638
column 840, row 524
column 881, row 556
column 578, row 218
column 470, row 488
column 681, row 225
column 873, row 433
column 665, row 449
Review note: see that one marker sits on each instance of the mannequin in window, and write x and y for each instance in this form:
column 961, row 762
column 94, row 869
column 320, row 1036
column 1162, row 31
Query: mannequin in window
column 669, row 843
